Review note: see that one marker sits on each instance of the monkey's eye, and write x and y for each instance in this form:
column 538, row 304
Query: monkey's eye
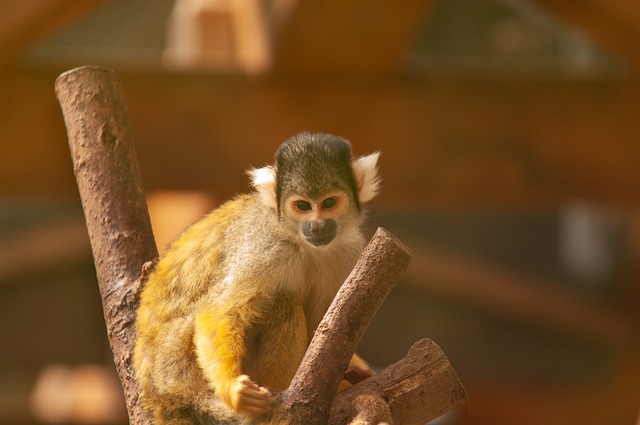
column 303, row 205
column 329, row 203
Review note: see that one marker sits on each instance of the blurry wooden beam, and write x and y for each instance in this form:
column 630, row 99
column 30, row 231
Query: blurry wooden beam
column 22, row 22
column 613, row 23
column 631, row 264
column 349, row 36
column 51, row 246
column 43, row 248
column 516, row 297
column 475, row 143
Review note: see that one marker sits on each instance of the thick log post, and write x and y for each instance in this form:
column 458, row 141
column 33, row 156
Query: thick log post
column 110, row 186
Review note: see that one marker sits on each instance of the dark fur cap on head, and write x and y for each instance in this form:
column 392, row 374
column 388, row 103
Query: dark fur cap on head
column 313, row 164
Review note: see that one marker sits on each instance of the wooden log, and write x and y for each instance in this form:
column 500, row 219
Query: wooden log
column 420, row 387
column 106, row 170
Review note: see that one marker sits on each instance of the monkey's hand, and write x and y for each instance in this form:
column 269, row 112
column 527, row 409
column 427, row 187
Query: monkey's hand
column 247, row 397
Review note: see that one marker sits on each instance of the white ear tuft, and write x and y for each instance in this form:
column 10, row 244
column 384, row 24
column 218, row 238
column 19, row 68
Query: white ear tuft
column 365, row 169
column 264, row 181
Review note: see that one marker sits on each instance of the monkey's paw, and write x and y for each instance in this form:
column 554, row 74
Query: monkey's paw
column 249, row 398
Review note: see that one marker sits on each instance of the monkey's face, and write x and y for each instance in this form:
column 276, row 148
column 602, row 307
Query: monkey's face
column 318, row 220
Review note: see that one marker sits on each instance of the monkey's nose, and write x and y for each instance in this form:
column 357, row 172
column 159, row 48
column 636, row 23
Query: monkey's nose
column 319, row 232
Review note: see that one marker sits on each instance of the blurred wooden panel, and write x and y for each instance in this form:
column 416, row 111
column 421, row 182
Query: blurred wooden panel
column 443, row 142
column 336, row 36
column 613, row 23
column 22, row 22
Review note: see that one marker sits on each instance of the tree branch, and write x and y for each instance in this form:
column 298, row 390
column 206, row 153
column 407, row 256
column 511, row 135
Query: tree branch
column 110, row 186
column 378, row 270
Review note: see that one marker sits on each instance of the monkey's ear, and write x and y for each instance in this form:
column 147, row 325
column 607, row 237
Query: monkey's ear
column 365, row 170
column 264, row 181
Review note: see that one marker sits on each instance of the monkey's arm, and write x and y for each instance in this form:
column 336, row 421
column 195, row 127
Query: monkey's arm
column 220, row 346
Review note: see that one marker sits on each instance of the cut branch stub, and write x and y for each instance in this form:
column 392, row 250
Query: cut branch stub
column 110, row 186
column 420, row 387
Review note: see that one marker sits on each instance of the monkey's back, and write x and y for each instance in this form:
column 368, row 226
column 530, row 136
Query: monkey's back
column 192, row 273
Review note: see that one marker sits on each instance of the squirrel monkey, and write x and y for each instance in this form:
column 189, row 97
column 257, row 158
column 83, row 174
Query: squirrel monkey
column 229, row 311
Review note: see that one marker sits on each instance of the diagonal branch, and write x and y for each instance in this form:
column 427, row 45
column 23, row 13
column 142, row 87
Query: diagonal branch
column 378, row 270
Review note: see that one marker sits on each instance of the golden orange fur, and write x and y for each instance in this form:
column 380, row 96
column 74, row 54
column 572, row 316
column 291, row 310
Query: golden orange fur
column 229, row 311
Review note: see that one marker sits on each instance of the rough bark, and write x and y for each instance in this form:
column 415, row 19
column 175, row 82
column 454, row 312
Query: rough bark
column 106, row 170
column 420, row 387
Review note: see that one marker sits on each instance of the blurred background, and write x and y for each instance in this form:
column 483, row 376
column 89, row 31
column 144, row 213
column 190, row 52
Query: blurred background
column 510, row 139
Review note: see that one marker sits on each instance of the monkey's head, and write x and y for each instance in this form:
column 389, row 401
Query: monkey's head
column 316, row 186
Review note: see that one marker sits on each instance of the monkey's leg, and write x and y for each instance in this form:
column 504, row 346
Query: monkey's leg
column 220, row 346
column 170, row 416
column 280, row 344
